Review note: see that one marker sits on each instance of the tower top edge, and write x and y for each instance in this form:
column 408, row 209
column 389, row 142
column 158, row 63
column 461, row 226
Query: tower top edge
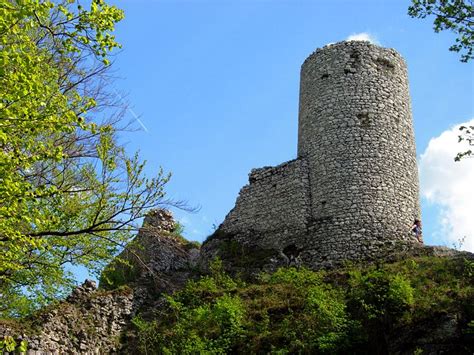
column 351, row 45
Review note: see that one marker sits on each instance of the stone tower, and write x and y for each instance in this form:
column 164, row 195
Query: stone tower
column 352, row 193
column 356, row 133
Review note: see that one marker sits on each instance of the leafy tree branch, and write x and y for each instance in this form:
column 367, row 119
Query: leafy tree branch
column 453, row 15
column 69, row 193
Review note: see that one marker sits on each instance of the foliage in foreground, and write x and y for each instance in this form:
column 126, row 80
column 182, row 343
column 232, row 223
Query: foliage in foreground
column 351, row 310
column 453, row 15
column 456, row 16
column 69, row 195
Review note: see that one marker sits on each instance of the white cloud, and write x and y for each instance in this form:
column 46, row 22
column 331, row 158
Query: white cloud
column 363, row 36
column 449, row 185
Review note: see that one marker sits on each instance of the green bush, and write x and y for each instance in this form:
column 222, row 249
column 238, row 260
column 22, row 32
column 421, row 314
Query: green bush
column 149, row 335
column 469, row 268
column 320, row 324
column 8, row 344
column 299, row 278
column 211, row 328
column 299, row 311
column 376, row 294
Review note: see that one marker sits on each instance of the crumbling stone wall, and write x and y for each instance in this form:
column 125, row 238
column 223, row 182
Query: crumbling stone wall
column 88, row 322
column 92, row 321
column 266, row 228
column 157, row 259
column 353, row 191
column 275, row 202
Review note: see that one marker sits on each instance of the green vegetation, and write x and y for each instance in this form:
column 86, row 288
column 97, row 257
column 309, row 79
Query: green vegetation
column 177, row 234
column 68, row 192
column 119, row 272
column 350, row 310
column 456, row 16
column 8, row 344
column 453, row 15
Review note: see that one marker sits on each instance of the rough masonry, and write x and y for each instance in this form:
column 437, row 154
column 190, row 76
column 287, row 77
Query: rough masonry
column 352, row 192
column 98, row 321
column 89, row 321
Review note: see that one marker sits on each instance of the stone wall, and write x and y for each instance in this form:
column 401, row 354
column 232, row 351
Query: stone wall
column 266, row 228
column 92, row 321
column 88, row 322
column 353, row 191
column 275, row 202
column 158, row 259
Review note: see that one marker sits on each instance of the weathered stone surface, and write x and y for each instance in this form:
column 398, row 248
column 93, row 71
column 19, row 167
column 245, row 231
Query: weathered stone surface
column 161, row 259
column 88, row 322
column 91, row 321
column 352, row 193
column 159, row 220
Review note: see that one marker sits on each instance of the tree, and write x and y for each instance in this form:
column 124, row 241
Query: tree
column 454, row 15
column 457, row 16
column 69, row 194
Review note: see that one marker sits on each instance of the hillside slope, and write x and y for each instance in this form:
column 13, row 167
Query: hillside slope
column 157, row 298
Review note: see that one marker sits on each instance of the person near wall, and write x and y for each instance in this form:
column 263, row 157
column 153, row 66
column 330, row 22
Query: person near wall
column 416, row 230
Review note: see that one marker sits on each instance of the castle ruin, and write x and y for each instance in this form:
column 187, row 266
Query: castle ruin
column 352, row 193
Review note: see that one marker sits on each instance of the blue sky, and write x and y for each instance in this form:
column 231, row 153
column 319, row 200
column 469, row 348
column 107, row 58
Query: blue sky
column 216, row 84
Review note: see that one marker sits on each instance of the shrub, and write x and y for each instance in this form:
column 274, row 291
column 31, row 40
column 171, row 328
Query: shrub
column 211, row 328
column 298, row 311
column 299, row 278
column 149, row 335
column 380, row 295
column 8, row 344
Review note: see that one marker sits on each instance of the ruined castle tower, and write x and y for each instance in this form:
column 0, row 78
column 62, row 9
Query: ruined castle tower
column 352, row 193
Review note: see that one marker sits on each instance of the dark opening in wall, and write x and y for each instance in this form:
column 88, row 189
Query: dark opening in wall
column 292, row 252
column 353, row 63
column 355, row 55
column 325, row 76
column 385, row 64
column 323, row 203
column 364, row 119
